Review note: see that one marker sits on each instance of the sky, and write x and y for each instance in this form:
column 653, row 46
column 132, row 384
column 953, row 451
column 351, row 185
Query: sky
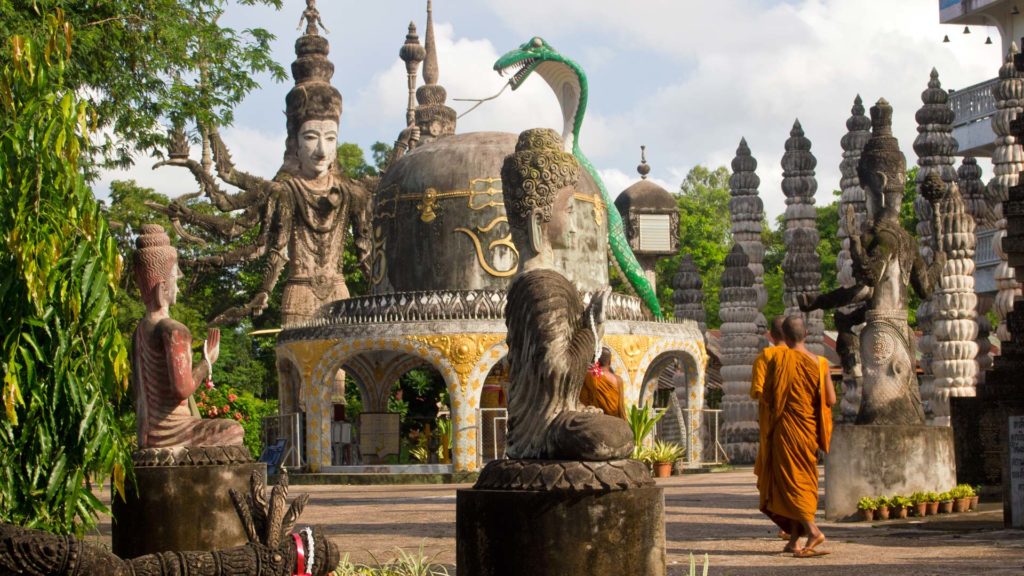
column 686, row 79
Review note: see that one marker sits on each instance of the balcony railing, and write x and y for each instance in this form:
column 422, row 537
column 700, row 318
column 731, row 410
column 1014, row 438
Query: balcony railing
column 973, row 103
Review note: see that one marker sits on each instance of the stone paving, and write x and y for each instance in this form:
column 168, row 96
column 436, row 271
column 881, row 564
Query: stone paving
column 705, row 513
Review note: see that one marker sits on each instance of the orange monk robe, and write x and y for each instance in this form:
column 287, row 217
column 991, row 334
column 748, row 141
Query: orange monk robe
column 604, row 392
column 760, row 371
column 799, row 423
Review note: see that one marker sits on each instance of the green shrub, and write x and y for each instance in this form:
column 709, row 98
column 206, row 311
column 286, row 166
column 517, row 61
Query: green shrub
column 918, row 498
column 243, row 407
column 867, row 503
column 899, row 501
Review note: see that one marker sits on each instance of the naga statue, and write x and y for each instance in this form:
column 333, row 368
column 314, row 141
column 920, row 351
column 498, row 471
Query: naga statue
column 885, row 260
column 552, row 338
column 303, row 214
column 162, row 375
column 273, row 548
column 569, row 84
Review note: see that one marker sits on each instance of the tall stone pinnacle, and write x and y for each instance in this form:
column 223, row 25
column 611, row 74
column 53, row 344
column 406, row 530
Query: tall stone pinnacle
column 739, row 347
column 434, row 118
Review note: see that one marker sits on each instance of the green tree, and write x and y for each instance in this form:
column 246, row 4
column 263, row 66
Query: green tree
column 64, row 361
column 704, row 233
column 141, row 64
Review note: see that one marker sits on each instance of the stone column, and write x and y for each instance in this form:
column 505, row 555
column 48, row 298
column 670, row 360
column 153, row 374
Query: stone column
column 972, row 189
column 739, row 349
column 1007, row 163
column 689, row 293
column 746, row 212
column 801, row 268
column 948, row 322
column 858, row 128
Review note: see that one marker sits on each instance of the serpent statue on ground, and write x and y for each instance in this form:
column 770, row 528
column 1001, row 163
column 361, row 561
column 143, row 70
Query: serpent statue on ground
column 569, row 84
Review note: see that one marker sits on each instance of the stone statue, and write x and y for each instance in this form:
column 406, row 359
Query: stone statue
column 552, row 338
column 162, row 371
column 273, row 549
column 885, row 260
column 311, row 16
column 304, row 213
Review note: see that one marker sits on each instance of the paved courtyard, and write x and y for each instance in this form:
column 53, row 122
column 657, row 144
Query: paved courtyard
column 705, row 513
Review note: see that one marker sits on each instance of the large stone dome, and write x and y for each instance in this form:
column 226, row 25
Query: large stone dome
column 439, row 221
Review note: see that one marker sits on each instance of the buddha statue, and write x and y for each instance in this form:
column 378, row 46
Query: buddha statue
column 552, row 337
column 162, row 372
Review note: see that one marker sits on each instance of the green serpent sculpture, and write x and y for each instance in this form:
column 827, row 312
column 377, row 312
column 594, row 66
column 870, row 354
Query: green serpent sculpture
column 569, row 83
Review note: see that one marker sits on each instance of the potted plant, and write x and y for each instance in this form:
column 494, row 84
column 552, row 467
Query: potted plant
column 919, row 503
column 945, row 503
column 662, row 456
column 933, row 502
column 882, row 508
column 899, row 506
column 641, row 422
column 962, row 495
column 975, row 498
column 867, row 506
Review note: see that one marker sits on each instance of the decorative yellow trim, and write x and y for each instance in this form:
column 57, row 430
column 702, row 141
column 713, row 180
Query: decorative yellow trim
column 506, row 241
column 427, row 205
column 631, row 349
column 462, row 351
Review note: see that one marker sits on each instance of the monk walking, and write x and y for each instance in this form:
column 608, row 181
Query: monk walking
column 798, row 397
column 602, row 388
column 760, row 371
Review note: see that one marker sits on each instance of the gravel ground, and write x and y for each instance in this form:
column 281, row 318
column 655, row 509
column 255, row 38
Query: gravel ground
column 712, row 514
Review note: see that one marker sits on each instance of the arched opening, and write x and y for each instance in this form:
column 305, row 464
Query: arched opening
column 493, row 420
column 672, row 386
column 396, row 412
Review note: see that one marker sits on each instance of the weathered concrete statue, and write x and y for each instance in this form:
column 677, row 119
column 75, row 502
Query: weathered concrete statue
column 552, row 338
column 303, row 214
column 162, row 372
column 272, row 549
column 885, row 262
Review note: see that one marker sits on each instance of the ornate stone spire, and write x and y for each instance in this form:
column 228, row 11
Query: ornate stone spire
column 412, row 53
column 433, row 116
column 739, row 346
column 858, row 133
column 1007, row 163
column 973, row 191
column 801, row 267
column 946, row 320
column 689, row 293
column 746, row 211
column 643, row 169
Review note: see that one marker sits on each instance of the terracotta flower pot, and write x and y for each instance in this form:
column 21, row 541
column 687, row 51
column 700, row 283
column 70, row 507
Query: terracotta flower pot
column 882, row 513
column 962, row 504
column 933, row 508
column 974, row 502
column 662, row 469
column 945, row 507
column 921, row 510
column 899, row 512
column 867, row 515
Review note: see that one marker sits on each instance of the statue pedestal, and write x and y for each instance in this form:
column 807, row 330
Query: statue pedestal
column 885, row 460
column 181, row 507
column 543, row 533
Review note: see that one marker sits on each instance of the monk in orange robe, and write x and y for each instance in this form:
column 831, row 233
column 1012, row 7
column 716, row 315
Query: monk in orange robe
column 603, row 389
column 798, row 394
column 760, row 371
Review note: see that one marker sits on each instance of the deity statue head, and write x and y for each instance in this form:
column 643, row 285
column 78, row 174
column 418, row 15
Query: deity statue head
column 156, row 267
column 882, row 168
column 539, row 183
column 313, row 111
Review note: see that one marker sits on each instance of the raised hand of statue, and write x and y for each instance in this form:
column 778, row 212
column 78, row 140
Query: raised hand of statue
column 596, row 308
column 211, row 347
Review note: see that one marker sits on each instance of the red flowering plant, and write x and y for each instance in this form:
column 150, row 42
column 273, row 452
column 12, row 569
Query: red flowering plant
column 243, row 407
column 219, row 403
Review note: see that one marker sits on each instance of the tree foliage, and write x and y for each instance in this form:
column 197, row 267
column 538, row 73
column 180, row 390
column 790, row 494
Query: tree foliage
column 141, row 64
column 64, row 361
column 704, row 233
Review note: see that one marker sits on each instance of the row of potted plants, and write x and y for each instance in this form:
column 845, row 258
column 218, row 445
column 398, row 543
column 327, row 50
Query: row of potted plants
column 961, row 498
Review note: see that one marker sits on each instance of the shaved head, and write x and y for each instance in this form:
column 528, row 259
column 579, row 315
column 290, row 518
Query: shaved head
column 794, row 330
column 776, row 329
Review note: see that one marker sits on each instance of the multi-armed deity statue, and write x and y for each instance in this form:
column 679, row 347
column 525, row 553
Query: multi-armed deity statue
column 552, row 338
column 164, row 379
column 303, row 214
column 885, row 261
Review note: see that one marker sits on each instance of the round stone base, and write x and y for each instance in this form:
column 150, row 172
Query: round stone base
column 885, row 460
column 179, row 508
column 541, row 533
